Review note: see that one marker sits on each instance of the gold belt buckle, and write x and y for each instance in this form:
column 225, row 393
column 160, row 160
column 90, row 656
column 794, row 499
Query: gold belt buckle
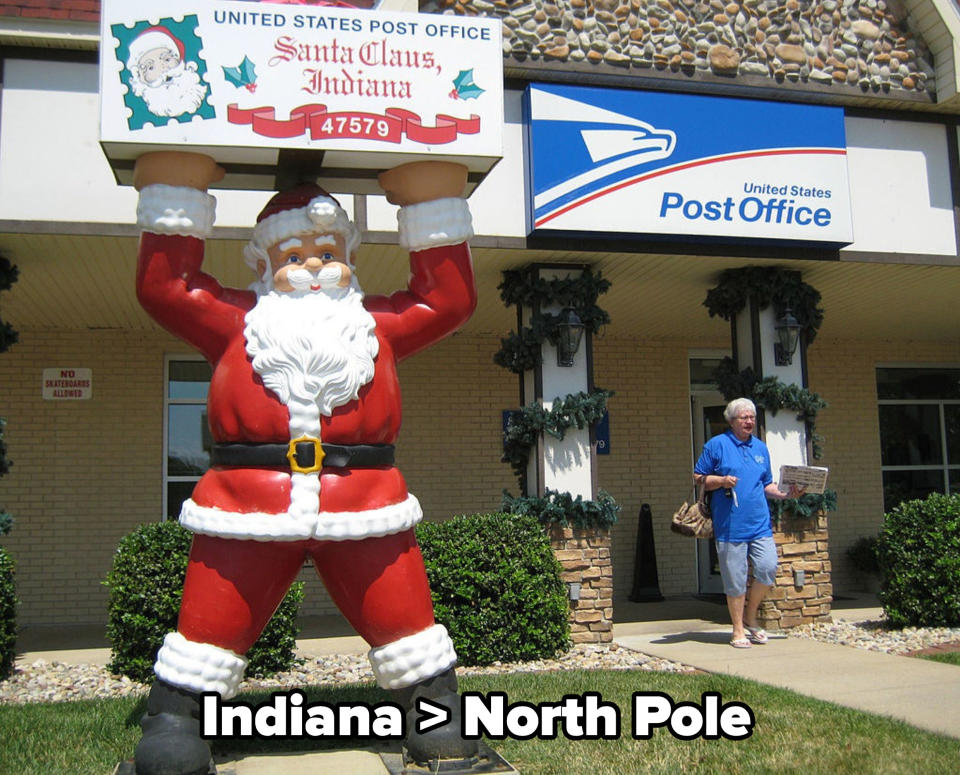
column 318, row 455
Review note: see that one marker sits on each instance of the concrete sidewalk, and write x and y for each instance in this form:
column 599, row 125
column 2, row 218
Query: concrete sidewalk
column 922, row 693
column 919, row 692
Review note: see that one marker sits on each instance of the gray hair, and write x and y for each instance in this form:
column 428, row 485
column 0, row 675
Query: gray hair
column 736, row 406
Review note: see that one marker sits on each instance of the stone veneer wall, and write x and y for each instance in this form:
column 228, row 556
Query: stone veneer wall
column 801, row 545
column 858, row 46
column 585, row 557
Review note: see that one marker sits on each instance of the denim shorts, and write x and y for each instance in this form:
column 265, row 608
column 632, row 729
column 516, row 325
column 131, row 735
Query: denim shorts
column 733, row 563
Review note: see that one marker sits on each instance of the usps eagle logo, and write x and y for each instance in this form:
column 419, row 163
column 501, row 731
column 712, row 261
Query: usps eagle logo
column 600, row 148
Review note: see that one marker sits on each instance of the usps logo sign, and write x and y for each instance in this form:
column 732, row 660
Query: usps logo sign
column 682, row 166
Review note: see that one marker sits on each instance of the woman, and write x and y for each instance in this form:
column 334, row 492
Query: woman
column 736, row 466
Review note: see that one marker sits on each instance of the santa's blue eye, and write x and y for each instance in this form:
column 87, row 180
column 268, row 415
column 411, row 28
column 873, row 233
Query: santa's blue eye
column 328, row 257
column 294, row 258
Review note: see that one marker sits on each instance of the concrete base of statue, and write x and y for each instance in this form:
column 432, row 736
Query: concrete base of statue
column 367, row 762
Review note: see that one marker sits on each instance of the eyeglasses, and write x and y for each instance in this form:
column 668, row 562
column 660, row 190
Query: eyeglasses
column 746, row 417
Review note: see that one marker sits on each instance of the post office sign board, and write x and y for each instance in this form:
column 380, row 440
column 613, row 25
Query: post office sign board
column 686, row 166
column 252, row 84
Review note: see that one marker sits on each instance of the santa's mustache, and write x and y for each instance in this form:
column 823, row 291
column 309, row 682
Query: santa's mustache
column 328, row 277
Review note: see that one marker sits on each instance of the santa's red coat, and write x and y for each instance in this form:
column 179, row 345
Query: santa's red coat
column 192, row 305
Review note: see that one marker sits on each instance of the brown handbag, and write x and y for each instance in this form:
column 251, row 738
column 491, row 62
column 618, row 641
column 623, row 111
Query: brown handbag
column 694, row 519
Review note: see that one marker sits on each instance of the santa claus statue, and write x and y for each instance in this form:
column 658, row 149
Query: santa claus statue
column 304, row 409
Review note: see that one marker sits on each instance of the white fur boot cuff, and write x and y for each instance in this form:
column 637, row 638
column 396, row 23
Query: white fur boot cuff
column 199, row 667
column 414, row 658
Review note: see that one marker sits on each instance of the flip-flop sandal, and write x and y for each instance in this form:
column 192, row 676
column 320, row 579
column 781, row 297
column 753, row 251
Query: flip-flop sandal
column 740, row 643
column 757, row 634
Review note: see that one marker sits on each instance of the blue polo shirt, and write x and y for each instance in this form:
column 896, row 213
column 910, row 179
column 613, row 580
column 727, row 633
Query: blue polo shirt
column 749, row 518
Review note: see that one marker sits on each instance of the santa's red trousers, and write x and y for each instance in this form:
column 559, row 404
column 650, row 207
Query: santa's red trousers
column 234, row 586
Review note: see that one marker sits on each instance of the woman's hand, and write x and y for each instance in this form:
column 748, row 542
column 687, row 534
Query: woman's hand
column 715, row 481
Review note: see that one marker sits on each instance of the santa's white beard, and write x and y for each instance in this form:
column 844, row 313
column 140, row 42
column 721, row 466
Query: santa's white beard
column 180, row 92
column 312, row 348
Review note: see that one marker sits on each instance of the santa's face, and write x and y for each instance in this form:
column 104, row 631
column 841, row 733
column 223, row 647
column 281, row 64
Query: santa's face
column 156, row 63
column 309, row 262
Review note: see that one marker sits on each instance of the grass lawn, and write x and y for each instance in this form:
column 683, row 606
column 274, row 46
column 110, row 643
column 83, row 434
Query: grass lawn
column 793, row 734
column 950, row 657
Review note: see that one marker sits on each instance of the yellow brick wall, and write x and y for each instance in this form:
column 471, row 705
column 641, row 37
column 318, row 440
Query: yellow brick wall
column 651, row 455
column 85, row 473
column 844, row 373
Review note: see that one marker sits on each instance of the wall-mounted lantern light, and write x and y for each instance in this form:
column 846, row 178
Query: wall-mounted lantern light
column 568, row 334
column 788, row 335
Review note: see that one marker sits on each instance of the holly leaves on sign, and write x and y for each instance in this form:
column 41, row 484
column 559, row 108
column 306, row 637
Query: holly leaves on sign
column 243, row 75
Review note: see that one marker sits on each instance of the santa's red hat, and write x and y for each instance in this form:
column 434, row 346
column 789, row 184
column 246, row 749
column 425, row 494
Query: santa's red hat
column 151, row 38
column 305, row 209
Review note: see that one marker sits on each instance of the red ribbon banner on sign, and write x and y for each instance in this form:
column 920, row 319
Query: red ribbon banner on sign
column 389, row 127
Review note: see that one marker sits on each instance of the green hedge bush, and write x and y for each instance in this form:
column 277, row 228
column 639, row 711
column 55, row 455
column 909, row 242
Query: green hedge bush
column 496, row 587
column 8, row 615
column 919, row 555
column 146, row 585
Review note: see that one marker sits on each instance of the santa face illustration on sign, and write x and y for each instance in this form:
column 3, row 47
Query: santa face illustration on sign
column 159, row 76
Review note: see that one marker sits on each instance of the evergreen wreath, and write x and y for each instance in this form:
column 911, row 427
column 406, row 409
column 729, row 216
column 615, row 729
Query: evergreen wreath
column 784, row 289
column 768, row 285
column 524, row 427
column 773, row 395
column 8, row 338
column 561, row 508
column 8, row 276
column 8, row 590
column 807, row 505
column 521, row 351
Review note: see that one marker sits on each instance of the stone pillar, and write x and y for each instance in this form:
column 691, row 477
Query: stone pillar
column 801, row 544
column 585, row 557
column 754, row 335
column 564, row 465
column 568, row 465
column 802, row 549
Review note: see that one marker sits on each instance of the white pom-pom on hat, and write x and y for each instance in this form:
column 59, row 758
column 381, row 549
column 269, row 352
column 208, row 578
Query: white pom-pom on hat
column 306, row 209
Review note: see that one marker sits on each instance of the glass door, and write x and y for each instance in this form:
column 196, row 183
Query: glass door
column 707, row 412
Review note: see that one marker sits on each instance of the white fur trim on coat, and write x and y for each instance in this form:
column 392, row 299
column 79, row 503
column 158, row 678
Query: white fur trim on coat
column 164, row 209
column 324, row 526
column 199, row 667
column 415, row 658
column 433, row 224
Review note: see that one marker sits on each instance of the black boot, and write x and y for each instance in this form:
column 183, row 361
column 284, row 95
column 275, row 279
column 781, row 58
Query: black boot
column 171, row 743
column 441, row 742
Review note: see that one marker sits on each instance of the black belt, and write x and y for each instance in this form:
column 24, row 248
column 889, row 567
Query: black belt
column 303, row 455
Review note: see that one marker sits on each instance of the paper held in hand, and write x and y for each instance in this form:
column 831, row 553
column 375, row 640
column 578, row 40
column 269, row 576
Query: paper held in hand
column 811, row 479
column 339, row 93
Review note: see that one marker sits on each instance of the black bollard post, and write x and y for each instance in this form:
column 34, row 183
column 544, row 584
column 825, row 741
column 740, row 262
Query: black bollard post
column 646, row 585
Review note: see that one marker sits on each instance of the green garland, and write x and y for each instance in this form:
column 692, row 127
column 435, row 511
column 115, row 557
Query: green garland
column 525, row 426
column 768, row 285
column 8, row 338
column 520, row 352
column 806, row 506
column 561, row 508
column 8, row 276
column 773, row 395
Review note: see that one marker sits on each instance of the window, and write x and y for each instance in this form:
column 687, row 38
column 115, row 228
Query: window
column 919, row 432
column 186, row 432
